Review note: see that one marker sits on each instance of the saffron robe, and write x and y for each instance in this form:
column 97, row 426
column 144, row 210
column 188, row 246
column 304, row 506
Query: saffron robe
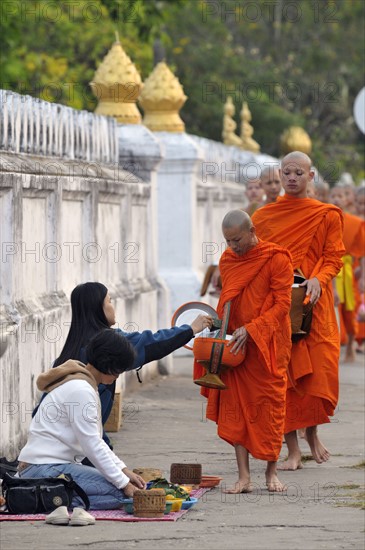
column 251, row 411
column 354, row 242
column 312, row 232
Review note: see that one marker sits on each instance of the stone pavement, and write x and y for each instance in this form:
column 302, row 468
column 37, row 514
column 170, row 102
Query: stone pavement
column 164, row 423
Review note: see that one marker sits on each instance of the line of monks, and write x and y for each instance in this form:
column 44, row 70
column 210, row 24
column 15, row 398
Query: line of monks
column 284, row 387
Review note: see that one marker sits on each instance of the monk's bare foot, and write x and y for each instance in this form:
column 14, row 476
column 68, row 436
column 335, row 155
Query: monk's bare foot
column 318, row 450
column 274, row 484
column 241, row 486
column 293, row 462
column 349, row 356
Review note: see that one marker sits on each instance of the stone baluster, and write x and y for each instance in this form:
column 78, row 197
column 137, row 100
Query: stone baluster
column 51, row 125
column 37, row 127
column 24, row 120
column 5, row 119
column 70, row 131
column 11, row 122
column 88, row 136
column 105, row 141
column 30, row 111
column 44, row 126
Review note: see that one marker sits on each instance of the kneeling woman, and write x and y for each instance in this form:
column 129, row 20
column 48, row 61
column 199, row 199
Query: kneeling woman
column 67, row 426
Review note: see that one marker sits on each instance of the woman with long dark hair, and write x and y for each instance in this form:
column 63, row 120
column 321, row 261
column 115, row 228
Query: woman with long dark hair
column 93, row 311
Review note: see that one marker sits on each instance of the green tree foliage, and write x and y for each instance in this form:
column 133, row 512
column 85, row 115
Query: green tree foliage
column 296, row 62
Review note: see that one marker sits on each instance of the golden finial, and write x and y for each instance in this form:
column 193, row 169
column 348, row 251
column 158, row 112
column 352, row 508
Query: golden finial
column 248, row 143
column 161, row 99
column 229, row 125
column 295, row 138
column 117, row 85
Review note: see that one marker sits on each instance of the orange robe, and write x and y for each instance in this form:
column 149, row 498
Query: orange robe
column 354, row 242
column 312, row 232
column 251, row 411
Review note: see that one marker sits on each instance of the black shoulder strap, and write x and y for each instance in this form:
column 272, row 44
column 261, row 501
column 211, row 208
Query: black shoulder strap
column 73, row 485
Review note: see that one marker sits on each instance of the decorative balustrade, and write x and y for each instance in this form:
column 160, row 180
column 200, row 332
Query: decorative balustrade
column 31, row 125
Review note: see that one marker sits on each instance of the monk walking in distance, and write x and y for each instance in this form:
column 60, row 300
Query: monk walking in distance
column 312, row 232
column 250, row 414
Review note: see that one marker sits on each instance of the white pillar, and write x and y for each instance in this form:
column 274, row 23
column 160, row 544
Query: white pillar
column 176, row 196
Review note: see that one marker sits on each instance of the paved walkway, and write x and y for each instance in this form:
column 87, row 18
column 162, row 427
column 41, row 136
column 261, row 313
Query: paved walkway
column 164, row 423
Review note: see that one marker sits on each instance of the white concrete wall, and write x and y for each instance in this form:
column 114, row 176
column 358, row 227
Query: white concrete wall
column 67, row 218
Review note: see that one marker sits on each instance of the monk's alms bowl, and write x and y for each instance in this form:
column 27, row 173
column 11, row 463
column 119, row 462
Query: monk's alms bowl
column 202, row 350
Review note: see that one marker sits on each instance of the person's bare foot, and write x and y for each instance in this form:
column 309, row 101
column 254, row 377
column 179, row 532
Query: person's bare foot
column 318, row 450
column 293, row 462
column 349, row 355
column 241, row 486
column 274, row 484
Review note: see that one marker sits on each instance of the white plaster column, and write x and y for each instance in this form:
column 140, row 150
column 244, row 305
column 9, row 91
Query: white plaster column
column 177, row 224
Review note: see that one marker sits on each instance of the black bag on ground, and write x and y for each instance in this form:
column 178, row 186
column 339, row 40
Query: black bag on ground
column 40, row 495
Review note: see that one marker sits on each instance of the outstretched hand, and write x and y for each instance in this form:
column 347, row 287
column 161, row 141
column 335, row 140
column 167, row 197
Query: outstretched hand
column 314, row 290
column 201, row 322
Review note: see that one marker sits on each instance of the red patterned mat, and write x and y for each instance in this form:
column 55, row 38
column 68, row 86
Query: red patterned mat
column 108, row 515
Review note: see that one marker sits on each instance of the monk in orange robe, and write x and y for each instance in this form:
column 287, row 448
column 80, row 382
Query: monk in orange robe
column 256, row 279
column 345, row 283
column 312, row 232
column 255, row 195
column 360, row 294
column 322, row 191
column 271, row 183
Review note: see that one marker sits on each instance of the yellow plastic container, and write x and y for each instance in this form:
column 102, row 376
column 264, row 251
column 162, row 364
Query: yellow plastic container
column 176, row 504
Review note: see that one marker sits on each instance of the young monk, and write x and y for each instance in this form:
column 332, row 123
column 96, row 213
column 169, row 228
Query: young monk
column 312, row 232
column 322, row 190
column 254, row 194
column 256, row 279
column 349, row 190
column 268, row 184
column 345, row 283
column 271, row 184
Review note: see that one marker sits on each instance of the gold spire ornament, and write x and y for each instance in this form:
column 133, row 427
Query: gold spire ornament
column 248, row 143
column 229, row 125
column 295, row 138
column 161, row 100
column 117, row 85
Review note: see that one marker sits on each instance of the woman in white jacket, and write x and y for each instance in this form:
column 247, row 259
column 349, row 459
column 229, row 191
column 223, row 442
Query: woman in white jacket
column 67, row 426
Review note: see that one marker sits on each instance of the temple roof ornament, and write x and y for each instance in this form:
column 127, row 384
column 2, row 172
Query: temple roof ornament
column 229, row 125
column 161, row 100
column 248, row 143
column 117, row 85
column 295, row 138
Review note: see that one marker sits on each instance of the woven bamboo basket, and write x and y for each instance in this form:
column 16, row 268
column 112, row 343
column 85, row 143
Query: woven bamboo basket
column 186, row 473
column 149, row 504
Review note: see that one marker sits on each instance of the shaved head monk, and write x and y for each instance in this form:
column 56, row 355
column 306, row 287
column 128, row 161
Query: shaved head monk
column 312, row 232
column 254, row 194
column 250, row 414
column 271, row 183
